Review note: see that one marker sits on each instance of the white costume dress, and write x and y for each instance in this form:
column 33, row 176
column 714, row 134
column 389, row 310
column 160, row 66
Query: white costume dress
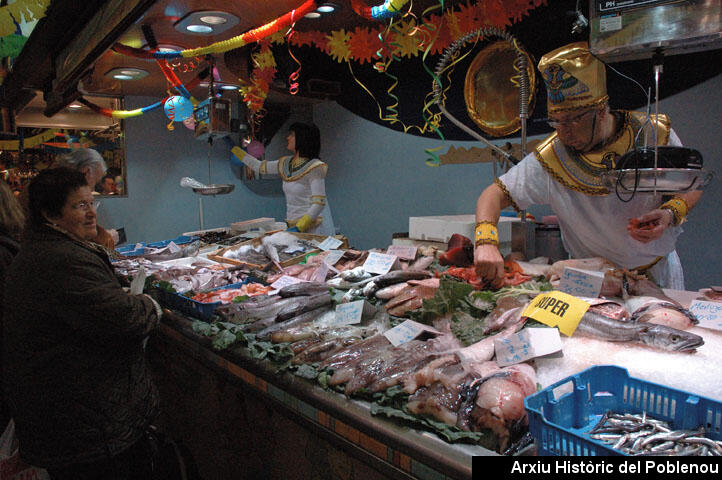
column 592, row 220
column 305, row 188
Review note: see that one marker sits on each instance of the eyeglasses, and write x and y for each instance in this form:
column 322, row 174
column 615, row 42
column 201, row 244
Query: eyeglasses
column 568, row 122
column 85, row 205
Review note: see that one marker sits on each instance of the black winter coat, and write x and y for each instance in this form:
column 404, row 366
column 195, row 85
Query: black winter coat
column 75, row 373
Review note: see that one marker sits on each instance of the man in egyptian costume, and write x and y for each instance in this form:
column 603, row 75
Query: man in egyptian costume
column 565, row 171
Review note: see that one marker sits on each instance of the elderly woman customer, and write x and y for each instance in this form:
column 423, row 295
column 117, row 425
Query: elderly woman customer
column 75, row 371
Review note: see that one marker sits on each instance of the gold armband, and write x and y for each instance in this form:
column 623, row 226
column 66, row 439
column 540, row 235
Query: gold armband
column 318, row 199
column 486, row 233
column 679, row 208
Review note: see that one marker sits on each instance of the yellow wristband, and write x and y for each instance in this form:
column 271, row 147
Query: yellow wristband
column 679, row 208
column 486, row 233
column 238, row 152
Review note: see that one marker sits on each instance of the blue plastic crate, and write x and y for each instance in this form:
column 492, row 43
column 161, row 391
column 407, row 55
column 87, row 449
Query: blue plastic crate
column 191, row 307
column 180, row 240
column 559, row 423
column 132, row 250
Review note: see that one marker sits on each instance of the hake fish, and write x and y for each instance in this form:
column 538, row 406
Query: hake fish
column 653, row 335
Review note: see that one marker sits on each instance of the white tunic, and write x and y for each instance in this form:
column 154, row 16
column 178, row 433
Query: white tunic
column 300, row 190
column 593, row 225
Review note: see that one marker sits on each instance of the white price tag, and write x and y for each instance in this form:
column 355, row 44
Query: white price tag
column 136, row 286
column 173, row 248
column 284, row 281
column 330, row 243
column 349, row 313
column 581, row 283
column 709, row 314
column 333, row 257
column 407, row 331
column 379, row 263
column 404, row 252
column 527, row 344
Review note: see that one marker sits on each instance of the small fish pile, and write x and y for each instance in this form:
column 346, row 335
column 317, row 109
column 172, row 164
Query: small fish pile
column 226, row 295
column 642, row 435
column 199, row 274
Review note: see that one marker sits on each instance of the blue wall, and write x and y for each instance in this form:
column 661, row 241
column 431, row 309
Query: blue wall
column 377, row 179
column 156, row 207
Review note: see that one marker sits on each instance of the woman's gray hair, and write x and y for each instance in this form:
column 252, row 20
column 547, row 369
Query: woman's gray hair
column 82, row 157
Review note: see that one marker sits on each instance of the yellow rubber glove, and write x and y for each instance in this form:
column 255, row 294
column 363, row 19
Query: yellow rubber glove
column 304, row 223
column 238, row 152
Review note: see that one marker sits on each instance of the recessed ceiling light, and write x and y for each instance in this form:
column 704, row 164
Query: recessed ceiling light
column 206, row 22
column 75, row 106
column 213, row 19
column 313, row 15
column 126, row 73
column 220, row 85
column 199, row 29
column 328, row 7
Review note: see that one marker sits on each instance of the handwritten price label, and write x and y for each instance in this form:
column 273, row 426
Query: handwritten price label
column 284, row 281
column 333, row 257
column 330, row 243
column 402, row 251
column 527, row 344
column 379, row 263
column 349, row 313
column 407, row 331
column 581, row 283
column 709, row 314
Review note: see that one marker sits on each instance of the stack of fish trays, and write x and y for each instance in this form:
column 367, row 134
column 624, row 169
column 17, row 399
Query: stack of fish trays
column 560, row 426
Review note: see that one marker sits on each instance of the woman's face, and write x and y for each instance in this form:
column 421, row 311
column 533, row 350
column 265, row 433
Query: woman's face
column 291, row 139
column 78, row 215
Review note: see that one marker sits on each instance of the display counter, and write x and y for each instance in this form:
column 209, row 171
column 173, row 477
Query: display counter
column 242, row 418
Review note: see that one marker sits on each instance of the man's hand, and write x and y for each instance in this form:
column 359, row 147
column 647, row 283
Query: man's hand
column 489, row 265
column 650, row 226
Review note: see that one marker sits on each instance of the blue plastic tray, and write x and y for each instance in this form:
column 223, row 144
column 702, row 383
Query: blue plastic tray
column 132, row 250
column 559, row 425
column 191, row 307
column 181, row 240
column 141, row 248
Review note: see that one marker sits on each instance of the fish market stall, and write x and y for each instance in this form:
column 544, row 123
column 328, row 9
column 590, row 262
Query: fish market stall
column 390, row 360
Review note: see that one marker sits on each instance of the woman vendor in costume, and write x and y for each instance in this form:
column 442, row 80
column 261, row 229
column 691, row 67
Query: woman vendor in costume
column 304, row 179
column 565, row 170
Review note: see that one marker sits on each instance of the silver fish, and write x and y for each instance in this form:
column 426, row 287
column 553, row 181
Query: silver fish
column 656, row 336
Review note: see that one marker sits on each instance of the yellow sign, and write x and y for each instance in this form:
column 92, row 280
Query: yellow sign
column 557, row 309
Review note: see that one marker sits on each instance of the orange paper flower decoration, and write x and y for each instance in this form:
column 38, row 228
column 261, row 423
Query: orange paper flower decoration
column 364, row 44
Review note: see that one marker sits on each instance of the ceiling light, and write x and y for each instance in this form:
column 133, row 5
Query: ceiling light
column 75, row 106
column 220, row 85
column 213, row 19
column 328, row 7
column 126, row 73
column 206, row 22
column 312, row 15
